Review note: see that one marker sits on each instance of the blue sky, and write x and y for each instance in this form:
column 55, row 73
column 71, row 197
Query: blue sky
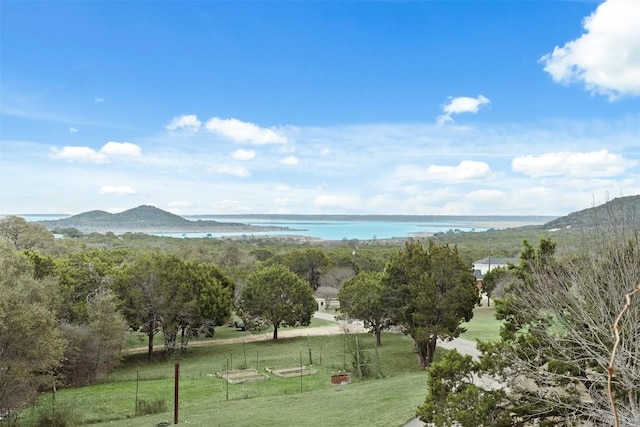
column 432, row 107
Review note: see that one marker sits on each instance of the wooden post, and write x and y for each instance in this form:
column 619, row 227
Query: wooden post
column 175, row 393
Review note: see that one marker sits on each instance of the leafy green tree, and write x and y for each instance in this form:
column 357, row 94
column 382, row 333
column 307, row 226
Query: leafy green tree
column 161, row 292
column 430, row 292
column 25, row 235
column 209, row 304
column 453, row 398
column 362, row 298
column 492, row 279
column 277, row 295
column 308, row 264
column 83, row 274
column 30, row 344
column 147, row 289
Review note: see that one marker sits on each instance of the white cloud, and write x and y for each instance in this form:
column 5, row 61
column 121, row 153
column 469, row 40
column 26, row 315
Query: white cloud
column 239, row 131
column 87, row 154
column 486, row 195
column 290, row 161
column 78, row 154
column 242, row 154
column 229, row 206
column 337, row 201
column 185, row 124
column 462, row 104
column 73, row 130
column 98, row 100
column 282, row 187
column 588, row 165
column 112, row 148
column 118, row 190
column 286, row 201
column 467, row 170
column 240, row 171
column 606, row 58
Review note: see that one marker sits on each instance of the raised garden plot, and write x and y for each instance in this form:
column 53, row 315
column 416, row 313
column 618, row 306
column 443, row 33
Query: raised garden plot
column 241, row 376
column 291, row 371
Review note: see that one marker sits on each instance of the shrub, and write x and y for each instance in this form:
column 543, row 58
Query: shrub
column 151, row 407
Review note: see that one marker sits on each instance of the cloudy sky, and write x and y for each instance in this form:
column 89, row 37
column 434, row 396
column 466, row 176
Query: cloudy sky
column 431, row 107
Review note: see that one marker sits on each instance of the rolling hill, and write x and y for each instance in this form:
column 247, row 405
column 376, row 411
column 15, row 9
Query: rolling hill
column 621, row 207
column 146, row 219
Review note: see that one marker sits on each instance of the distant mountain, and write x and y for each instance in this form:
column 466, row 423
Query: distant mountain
column 146, row 219
column 621, row 207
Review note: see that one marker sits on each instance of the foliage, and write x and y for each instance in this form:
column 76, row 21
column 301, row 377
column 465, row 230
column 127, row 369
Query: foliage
column 556, row 358
column 492, row 280
column 151, row 407
column 81, row 276
column 362, row 298
column 429, row 292
column 454, row 399
column 30, row 344
column 93, row 349
column 57, row 417
column 308, row 264
column 25, row 235
column 160, row 291
column 277, row 295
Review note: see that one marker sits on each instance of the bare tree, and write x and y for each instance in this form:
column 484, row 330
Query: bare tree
column 570, row 348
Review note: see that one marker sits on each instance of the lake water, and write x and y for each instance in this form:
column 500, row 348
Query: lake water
column 351, row 229
column 359, row 230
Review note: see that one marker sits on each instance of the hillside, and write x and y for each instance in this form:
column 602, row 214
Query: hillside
column 621, row 207
column 146, row 219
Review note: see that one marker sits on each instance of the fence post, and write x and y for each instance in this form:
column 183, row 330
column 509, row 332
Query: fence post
column 175, row 393
column 358, row 358
column 300, row 371
column 137, row 386
column 309, row 346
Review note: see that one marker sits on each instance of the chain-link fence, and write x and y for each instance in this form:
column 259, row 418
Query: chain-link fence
column 247, row 371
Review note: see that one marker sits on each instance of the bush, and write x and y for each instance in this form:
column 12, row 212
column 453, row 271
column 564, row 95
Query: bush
column 151, row 407
column 62, row 417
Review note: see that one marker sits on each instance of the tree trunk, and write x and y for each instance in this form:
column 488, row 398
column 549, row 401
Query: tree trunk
column 378, row 333
column 150, row 334
column 275, row 332
column 425, row 351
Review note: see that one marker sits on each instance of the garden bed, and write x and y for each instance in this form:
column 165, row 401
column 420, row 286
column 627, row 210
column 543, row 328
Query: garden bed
column 241, row 376
column 291, row 371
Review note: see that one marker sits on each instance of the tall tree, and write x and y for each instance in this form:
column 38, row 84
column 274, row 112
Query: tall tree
column 492, row 279
column 161, row 292
column 146, row 289
column 279, row 296
column 25, row 235
column 430, row 292
column 361, row 297
column 308, row 264
column 30, row 344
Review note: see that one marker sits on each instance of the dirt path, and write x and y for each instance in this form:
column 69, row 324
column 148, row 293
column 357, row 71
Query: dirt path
column 337, row 329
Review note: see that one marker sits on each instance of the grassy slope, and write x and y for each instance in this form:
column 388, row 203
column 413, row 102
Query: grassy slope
column 387, row 402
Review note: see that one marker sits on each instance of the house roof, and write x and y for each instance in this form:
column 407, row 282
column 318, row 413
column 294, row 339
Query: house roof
column 497, row 261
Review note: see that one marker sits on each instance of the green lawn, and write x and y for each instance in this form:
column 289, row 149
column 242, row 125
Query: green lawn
column 484, row 325
column 206, row 400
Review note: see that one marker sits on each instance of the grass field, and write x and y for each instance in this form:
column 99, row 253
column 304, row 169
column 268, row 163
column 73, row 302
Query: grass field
column 206, row 400
column 484, row 325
